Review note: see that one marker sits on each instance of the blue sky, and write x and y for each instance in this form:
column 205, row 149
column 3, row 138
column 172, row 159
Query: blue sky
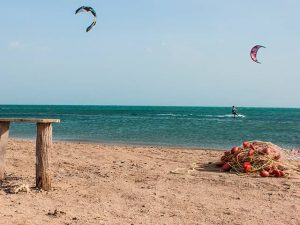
column 158, row 52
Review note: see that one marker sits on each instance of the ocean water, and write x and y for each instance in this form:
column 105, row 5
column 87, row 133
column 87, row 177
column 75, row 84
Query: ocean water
column 203, row 127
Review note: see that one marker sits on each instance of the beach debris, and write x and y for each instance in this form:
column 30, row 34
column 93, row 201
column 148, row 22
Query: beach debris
column 180, row 171
column 263, row 158
column 254, row 51
column 20, row 188
column 56, row 213
column 88, row 9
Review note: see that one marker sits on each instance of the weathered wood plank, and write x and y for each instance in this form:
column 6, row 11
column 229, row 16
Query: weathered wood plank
column 4, row 132
column 43, row 153
column 29, row 120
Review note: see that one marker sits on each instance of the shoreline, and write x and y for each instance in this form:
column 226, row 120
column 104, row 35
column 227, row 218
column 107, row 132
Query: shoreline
column 124, row 144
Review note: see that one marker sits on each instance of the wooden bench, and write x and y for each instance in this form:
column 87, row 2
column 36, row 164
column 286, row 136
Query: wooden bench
column 43, row 148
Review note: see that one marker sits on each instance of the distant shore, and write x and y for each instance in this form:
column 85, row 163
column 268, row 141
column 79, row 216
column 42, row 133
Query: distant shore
column 115, row 184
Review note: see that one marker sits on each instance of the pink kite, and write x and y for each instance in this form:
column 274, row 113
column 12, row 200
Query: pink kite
column 254, row 52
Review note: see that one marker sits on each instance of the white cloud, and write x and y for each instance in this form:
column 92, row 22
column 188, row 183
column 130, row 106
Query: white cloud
column 163, row 43
column 14, row 44
column 149, row 50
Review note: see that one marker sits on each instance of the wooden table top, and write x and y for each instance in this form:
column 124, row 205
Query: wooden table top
column 30, row 120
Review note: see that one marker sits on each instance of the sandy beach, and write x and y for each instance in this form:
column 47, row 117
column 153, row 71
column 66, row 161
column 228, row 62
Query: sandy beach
column 113, row 184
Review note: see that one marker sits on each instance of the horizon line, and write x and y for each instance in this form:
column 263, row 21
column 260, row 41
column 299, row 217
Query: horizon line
column 124, row 105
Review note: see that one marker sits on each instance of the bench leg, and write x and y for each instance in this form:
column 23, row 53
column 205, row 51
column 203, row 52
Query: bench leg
column 43, row 152
column 4, row 131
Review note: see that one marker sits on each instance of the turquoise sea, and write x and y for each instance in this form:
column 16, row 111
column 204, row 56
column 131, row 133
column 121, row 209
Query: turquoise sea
column 206, row 127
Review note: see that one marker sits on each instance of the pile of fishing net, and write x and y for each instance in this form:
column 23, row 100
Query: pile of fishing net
column 263, row 158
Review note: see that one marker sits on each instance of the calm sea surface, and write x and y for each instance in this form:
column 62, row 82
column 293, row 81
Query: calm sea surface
column 208, row 127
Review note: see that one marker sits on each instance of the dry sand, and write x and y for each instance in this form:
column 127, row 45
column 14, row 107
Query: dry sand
column 110, row 184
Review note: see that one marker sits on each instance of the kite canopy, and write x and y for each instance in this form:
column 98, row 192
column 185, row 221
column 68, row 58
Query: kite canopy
column 88, row 9
column 254, row 51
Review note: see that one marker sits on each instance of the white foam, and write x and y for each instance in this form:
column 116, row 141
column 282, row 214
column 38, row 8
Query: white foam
column 230, row 115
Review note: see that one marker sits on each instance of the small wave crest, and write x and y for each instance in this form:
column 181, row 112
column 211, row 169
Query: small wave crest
column 225, row 116
column 199, row 116
column 167, row 114
column 230, row 115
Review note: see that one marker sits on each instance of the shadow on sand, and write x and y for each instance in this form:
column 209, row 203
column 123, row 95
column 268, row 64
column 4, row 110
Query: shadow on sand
column 207, row 167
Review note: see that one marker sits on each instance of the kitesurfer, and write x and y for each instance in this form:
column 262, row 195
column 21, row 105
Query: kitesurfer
column 234, row 111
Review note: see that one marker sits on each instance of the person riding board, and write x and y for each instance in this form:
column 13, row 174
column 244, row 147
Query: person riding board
column 234, row 111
